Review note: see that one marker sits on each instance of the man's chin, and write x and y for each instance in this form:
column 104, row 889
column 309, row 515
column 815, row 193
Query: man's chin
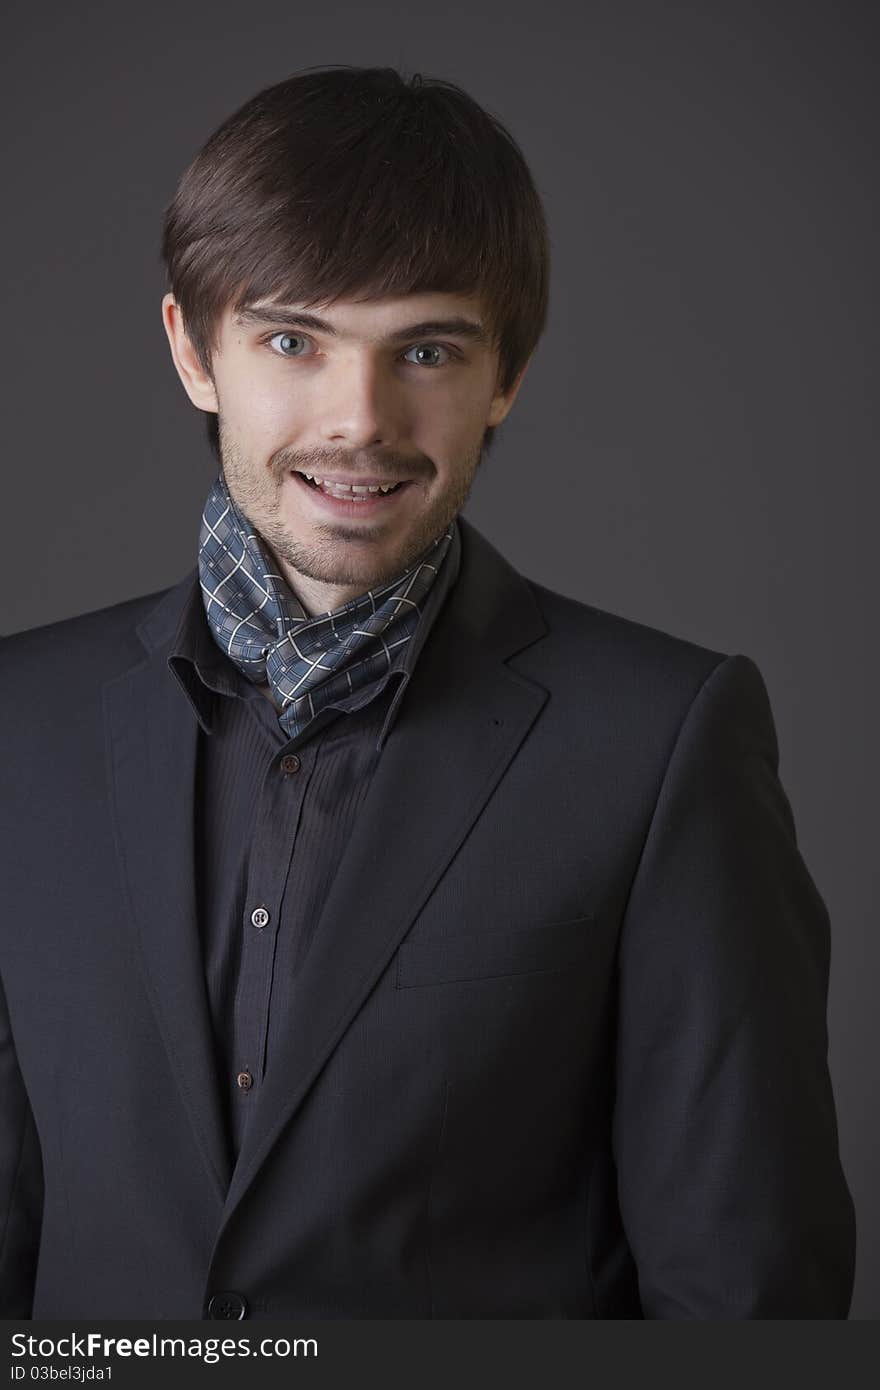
column 361, row 577
column 347, row 563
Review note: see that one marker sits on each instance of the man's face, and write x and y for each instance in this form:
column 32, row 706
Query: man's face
column 393, row 391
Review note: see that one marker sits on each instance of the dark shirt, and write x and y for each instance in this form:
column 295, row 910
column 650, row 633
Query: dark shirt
column 273, row 817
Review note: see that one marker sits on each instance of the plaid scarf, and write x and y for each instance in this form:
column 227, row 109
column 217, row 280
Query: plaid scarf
column 259, row 623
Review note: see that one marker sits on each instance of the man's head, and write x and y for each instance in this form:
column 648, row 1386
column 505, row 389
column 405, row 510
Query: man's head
column 358, row 276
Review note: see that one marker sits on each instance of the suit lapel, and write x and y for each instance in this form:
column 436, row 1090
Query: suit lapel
column 461, row 722
column 151, row 744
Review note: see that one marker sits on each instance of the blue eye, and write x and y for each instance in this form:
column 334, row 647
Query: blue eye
column 281, row 343
column 286, row 339
column 428, row 347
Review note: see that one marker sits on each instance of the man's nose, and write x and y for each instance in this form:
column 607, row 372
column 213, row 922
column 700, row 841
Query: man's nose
column 361, row 404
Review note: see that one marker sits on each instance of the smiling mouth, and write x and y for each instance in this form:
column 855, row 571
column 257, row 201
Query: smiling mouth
column 360, row 500
column 350, row 492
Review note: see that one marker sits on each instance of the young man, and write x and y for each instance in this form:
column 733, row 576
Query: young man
column 384, row 934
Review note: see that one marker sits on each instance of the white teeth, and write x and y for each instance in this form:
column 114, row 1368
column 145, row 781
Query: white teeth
column 346, row 489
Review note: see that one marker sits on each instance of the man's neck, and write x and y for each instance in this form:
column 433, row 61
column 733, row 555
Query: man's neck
column 316, row 596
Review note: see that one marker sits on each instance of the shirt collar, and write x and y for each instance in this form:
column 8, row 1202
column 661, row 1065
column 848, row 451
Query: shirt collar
column 204, row 672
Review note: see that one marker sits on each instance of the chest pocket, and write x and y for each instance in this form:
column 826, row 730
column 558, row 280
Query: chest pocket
column 494, row 954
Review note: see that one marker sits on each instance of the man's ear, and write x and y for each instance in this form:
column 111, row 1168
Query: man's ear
column 502, row 401
column 196, row 382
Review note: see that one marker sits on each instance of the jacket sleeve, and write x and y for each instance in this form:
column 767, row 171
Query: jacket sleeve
column 21, row 1183
column 724, row 1129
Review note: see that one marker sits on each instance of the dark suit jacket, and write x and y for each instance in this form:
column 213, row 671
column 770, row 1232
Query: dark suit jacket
column 565, row 1056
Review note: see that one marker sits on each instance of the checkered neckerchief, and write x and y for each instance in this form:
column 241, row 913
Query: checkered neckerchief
column 260, row 624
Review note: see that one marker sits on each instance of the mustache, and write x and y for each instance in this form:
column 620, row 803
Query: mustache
column 361, row 465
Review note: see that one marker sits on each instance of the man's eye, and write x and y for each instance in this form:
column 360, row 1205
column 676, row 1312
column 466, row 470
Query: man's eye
column 428, row 347
column 287, row 343
column 291, row 345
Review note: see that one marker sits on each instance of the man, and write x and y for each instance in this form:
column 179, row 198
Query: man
column 384, row 934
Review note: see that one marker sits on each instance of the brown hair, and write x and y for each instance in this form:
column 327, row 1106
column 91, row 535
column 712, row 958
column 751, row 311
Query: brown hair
column 350, row 182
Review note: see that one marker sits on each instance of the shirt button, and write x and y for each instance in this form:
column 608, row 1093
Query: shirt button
column 260, row 917
column 290, row 763
column 245, row 1080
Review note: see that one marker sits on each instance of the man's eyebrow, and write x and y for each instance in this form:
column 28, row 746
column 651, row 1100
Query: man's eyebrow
column 456, row 327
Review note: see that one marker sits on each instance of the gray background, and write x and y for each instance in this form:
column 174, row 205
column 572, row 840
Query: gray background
column 695, row 443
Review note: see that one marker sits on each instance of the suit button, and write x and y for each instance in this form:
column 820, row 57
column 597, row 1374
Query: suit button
column 290, row 763
column 244, row 1081
column 227, row 1305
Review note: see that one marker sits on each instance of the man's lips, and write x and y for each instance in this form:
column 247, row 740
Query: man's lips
column 349, row 480
column 351, row 503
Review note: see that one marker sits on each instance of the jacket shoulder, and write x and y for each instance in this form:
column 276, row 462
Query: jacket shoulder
column 583, row 639
column 629, row 680
column 101, row 642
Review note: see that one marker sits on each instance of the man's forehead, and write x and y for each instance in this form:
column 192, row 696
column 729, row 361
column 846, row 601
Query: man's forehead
column 382, row 319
